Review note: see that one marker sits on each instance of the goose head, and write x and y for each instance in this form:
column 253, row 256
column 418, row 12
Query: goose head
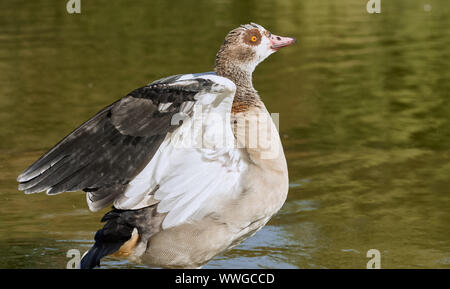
column 247, row 46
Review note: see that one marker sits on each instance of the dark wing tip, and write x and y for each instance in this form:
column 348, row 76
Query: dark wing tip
column 24, row 177
column 20, row 178
column 110, row 238
column 91, row 259
column 98, row 251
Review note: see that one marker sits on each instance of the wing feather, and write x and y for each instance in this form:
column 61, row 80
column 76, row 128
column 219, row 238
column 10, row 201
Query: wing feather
column 106, row 152
column 189, row 181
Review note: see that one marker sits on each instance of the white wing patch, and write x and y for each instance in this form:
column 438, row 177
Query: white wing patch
column 196, row 166
column 163, row 107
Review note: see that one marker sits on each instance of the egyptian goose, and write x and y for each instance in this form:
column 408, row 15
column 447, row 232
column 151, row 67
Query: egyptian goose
column 193, row 163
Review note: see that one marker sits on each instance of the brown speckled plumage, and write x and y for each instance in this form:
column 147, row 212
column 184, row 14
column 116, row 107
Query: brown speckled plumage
column 231, row 62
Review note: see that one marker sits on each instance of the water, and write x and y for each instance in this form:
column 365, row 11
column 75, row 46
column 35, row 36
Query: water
column 364, row 119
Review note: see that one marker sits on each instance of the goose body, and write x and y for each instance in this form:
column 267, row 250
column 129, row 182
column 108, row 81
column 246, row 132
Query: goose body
column 193, row 164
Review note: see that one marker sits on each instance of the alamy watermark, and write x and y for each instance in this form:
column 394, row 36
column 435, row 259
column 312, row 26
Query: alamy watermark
column 222, row 131
column 75, row 259
column 375, row 261
column 73, row 6
column 373, row 6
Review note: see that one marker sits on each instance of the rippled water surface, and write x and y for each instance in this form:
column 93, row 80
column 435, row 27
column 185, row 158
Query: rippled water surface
column 364, row 109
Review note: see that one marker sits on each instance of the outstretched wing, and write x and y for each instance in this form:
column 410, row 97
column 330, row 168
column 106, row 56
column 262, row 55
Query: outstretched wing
column 105, row 153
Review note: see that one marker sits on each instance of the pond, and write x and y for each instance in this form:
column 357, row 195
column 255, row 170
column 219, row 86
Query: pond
column 364, row 108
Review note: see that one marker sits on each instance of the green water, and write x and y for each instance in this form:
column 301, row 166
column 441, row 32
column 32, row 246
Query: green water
column 364, row 109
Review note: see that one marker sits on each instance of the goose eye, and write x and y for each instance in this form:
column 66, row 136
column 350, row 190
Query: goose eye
column 252, row 37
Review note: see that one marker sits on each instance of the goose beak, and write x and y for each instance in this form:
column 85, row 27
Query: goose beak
column 277, row 42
